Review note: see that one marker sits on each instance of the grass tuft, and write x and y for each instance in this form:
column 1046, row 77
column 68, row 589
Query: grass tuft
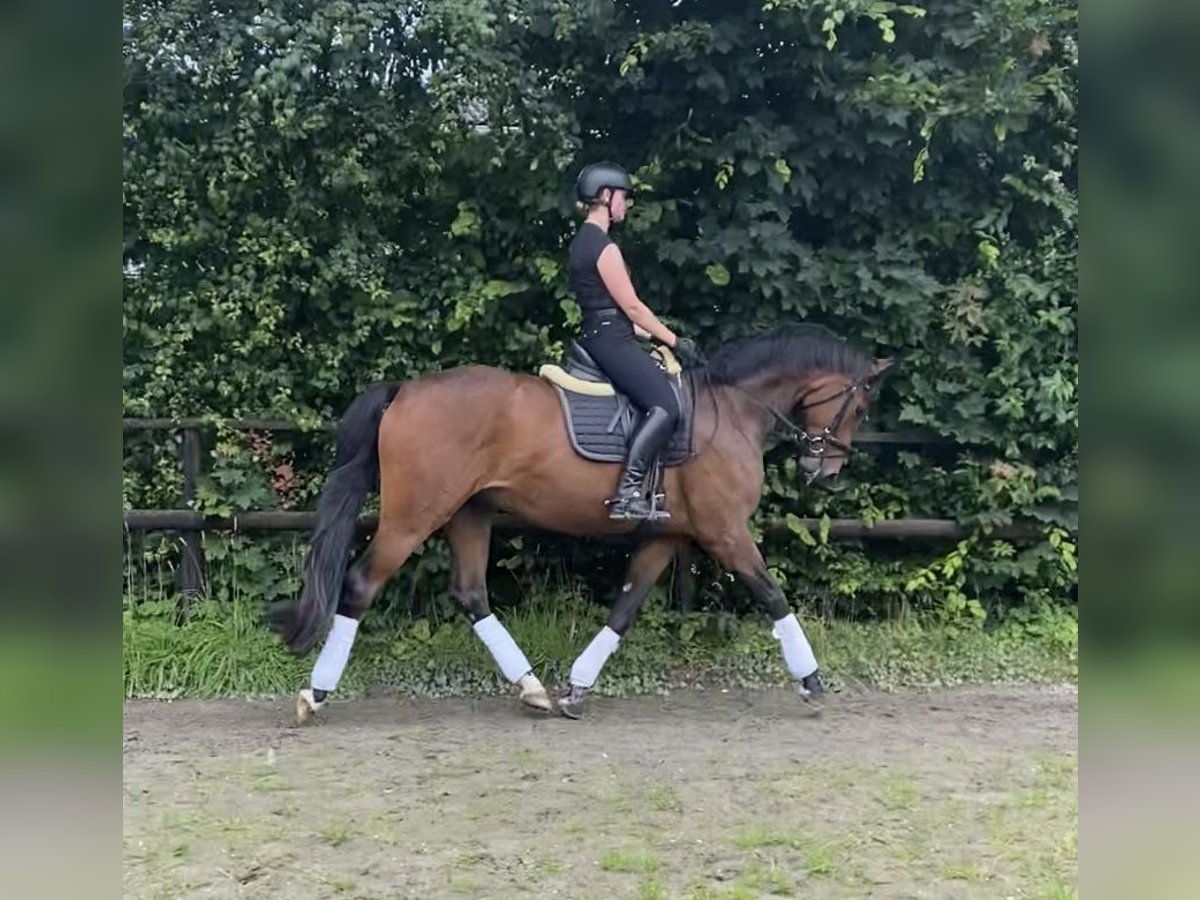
column 652, row 890
column 627, row 862
column 757, row 838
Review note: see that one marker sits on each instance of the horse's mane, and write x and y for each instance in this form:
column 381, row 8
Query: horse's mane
column 791, row 349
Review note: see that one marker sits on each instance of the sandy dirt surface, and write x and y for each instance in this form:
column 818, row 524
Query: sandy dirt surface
column 700, row 794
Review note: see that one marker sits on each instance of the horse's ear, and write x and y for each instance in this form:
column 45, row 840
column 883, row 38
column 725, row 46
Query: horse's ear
column 881, row 368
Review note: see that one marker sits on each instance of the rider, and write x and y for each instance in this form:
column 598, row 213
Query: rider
column 613, row 316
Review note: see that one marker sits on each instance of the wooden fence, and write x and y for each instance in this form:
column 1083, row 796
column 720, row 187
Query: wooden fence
column 190, row 523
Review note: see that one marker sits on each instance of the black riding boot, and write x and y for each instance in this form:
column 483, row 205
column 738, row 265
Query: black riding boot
column 652, row 435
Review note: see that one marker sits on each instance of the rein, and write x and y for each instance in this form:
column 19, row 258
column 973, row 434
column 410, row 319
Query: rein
column 816, row 445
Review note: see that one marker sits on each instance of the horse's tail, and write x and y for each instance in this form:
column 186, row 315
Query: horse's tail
column 355, row 473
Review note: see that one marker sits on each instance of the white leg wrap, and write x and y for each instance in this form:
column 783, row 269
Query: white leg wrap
column 796, row 652
column 327, row 671
column 587, row 667
column 504, row 649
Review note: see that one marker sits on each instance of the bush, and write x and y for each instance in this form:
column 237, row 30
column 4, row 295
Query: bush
column 319, row 195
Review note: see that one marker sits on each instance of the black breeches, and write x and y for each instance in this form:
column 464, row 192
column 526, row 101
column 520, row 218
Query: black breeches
column 630, row 368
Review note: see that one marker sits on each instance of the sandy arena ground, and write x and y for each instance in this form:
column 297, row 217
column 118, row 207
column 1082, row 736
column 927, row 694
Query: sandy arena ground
column 700, row 794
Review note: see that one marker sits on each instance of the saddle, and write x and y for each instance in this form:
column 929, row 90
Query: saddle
column 600, row 419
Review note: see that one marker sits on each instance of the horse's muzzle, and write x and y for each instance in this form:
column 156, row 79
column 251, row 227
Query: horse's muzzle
column 815, row 467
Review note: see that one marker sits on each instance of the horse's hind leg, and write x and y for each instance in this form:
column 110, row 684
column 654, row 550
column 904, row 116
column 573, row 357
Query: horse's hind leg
column 388, row 551
column 469, row 533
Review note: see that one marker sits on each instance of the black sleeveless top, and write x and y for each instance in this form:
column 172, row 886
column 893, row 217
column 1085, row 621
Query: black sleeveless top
column 583, row 278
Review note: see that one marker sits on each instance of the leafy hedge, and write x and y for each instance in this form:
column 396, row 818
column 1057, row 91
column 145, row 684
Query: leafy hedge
column 319, row 194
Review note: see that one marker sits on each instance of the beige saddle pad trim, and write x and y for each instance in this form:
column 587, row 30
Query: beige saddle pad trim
column 558, row 375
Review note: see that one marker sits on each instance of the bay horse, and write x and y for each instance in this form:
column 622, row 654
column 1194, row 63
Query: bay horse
column 449, row 450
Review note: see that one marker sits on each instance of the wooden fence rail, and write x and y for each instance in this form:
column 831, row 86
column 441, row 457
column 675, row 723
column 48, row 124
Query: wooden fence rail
column 683, row 583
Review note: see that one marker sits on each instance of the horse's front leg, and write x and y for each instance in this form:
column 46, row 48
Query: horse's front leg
column 646, row 565
column 739, row 554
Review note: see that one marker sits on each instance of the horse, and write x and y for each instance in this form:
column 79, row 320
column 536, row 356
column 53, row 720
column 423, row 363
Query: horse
column 448, row 451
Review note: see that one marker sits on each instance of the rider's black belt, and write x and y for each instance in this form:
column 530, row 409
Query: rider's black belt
column 596, row 316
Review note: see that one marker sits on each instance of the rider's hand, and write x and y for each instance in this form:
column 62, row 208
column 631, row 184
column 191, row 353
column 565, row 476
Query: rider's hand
column 686, row 351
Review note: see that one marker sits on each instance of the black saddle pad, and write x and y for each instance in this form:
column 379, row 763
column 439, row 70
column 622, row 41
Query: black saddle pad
column 600, row 427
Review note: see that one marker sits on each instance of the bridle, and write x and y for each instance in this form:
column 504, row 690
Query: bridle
column 816, row 445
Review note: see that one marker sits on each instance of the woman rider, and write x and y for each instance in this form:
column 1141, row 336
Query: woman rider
column 613, row 317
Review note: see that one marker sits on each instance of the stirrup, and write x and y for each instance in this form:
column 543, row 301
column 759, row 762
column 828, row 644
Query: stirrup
column 621, row 508
column 629, row 501
column 637, row 507
column 657, row 513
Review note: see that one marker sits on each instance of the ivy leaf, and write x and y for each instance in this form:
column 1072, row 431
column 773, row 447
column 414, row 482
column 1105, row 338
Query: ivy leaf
column 717, row 274
column 571, row 310
column 547, row 268
column 466, row 222
column 800, row 530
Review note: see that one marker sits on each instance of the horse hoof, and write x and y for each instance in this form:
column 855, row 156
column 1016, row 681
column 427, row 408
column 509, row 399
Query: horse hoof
column 570, row 704
column 306, row 706
column 534, row 695
column 539, row 700
column 813, row 691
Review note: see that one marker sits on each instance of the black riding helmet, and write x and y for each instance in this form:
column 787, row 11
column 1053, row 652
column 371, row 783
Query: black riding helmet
column 598, row 176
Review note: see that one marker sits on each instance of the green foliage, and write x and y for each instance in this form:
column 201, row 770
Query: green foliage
column 318, row 195
column 222, row 651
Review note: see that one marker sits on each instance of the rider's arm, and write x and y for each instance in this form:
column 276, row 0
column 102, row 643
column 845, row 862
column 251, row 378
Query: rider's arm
column 616, row 278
